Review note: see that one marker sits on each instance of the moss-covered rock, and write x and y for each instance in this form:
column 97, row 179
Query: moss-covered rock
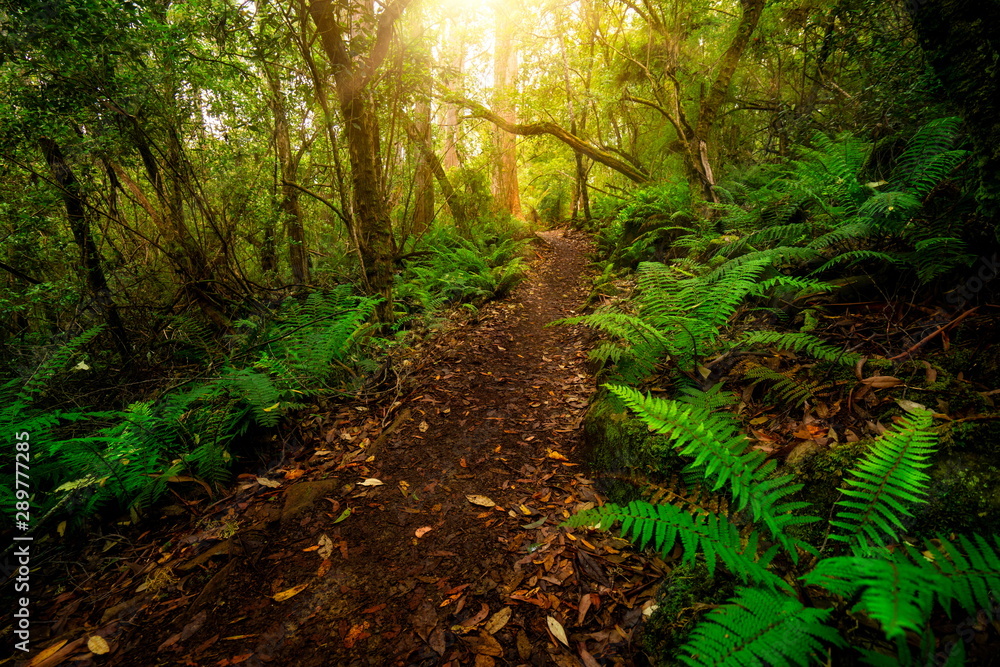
column 622, row 452
column 685, row 596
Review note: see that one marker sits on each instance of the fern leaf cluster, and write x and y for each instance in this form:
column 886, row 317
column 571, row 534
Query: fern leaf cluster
column 783, row 387
column 720, row 452
column 664, row 526
column 889, row 478
column 800, row 342
column 761, row 627
column 900, row 591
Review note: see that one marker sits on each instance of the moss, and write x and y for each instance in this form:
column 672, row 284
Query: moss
column 963, row 497
column 686, row 594
column 622, row 451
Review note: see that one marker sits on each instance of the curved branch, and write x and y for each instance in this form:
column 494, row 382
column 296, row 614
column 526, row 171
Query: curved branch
column 534, row 129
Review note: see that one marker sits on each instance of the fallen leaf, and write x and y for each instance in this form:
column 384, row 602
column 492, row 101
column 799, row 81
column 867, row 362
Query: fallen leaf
column 535, row 524
column 356, row 634
column 523, row 645
column 325, row 547
column 269, row 483
column 553, row 454
column 882, row 382
column 497, row 621
column 587, row 659
column 98, row 645
column 557, row 630
column 581, row 614
column 48, row 652
column 291, row 592
column 294, row 474
column 423, row 427
column 371, row 481
column 484, row 611
column 420, row 532
column 487, row 645
column 273, row 407
column 910, row 406
column 324, row 567
column 482, row 501
column 343, row 515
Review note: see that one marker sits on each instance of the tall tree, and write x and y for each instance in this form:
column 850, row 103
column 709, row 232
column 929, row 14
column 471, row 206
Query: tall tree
column 353, row 73
column 505, row 64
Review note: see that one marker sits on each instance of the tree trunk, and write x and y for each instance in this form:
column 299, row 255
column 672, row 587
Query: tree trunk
column 289, row 204
column 699, row 166
column 423, row 209
column 79, row 224
column 451, row 159
column 506, row 192
column 353, row 75
column 451, row 198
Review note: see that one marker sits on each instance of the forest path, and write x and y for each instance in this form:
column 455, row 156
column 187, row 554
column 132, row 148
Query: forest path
column 452, row 552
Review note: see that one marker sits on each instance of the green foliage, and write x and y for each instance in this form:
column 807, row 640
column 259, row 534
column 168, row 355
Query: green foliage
column 821, row 201
column 722, row 456
column 451, row 270
column 890, row 477
column 680, row 315
column 766, row 623
column 761, row 627
column 129, row 456
column 799, row 342
column 783, row 387
column 899, row 591
column 664, row 526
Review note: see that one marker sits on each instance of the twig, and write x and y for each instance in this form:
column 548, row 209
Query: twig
column 937, row 332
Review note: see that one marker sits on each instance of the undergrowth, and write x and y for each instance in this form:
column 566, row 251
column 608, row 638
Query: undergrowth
column 84, row 461
column 720, row 307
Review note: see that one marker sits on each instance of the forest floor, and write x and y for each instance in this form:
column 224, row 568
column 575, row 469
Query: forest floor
column 419, row 530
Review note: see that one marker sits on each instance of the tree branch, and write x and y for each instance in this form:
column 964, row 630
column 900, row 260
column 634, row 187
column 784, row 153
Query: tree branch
column 535, row 129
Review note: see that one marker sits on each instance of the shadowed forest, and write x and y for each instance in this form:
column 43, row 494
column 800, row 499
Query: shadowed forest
column 499, row 332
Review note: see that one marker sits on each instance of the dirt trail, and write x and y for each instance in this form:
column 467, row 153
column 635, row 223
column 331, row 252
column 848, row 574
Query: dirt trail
column 455, row 558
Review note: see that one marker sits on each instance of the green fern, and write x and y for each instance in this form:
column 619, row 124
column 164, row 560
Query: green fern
column 853, row 257
column 890, row 477
column 899, row 591
column 760, row 627
column 783, row 388
column 721, row 453
column 929, row 157
column 664, row 526
column 800, row 342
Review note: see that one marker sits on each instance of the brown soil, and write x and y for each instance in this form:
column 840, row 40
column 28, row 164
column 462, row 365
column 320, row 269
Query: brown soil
column 455, row 558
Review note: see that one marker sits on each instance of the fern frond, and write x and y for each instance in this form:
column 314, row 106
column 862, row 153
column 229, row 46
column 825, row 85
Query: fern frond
column 928, row 157
column 890, row 477
column 852, row 229
column 936, row 256
column 784, row 388
column 760, row 627
column 720, row 451
column 899, row 596
column 852, row 257
column 804, row 286
column 711, row 400
column 662, row 526
column 800, row 342
column 967, row 572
